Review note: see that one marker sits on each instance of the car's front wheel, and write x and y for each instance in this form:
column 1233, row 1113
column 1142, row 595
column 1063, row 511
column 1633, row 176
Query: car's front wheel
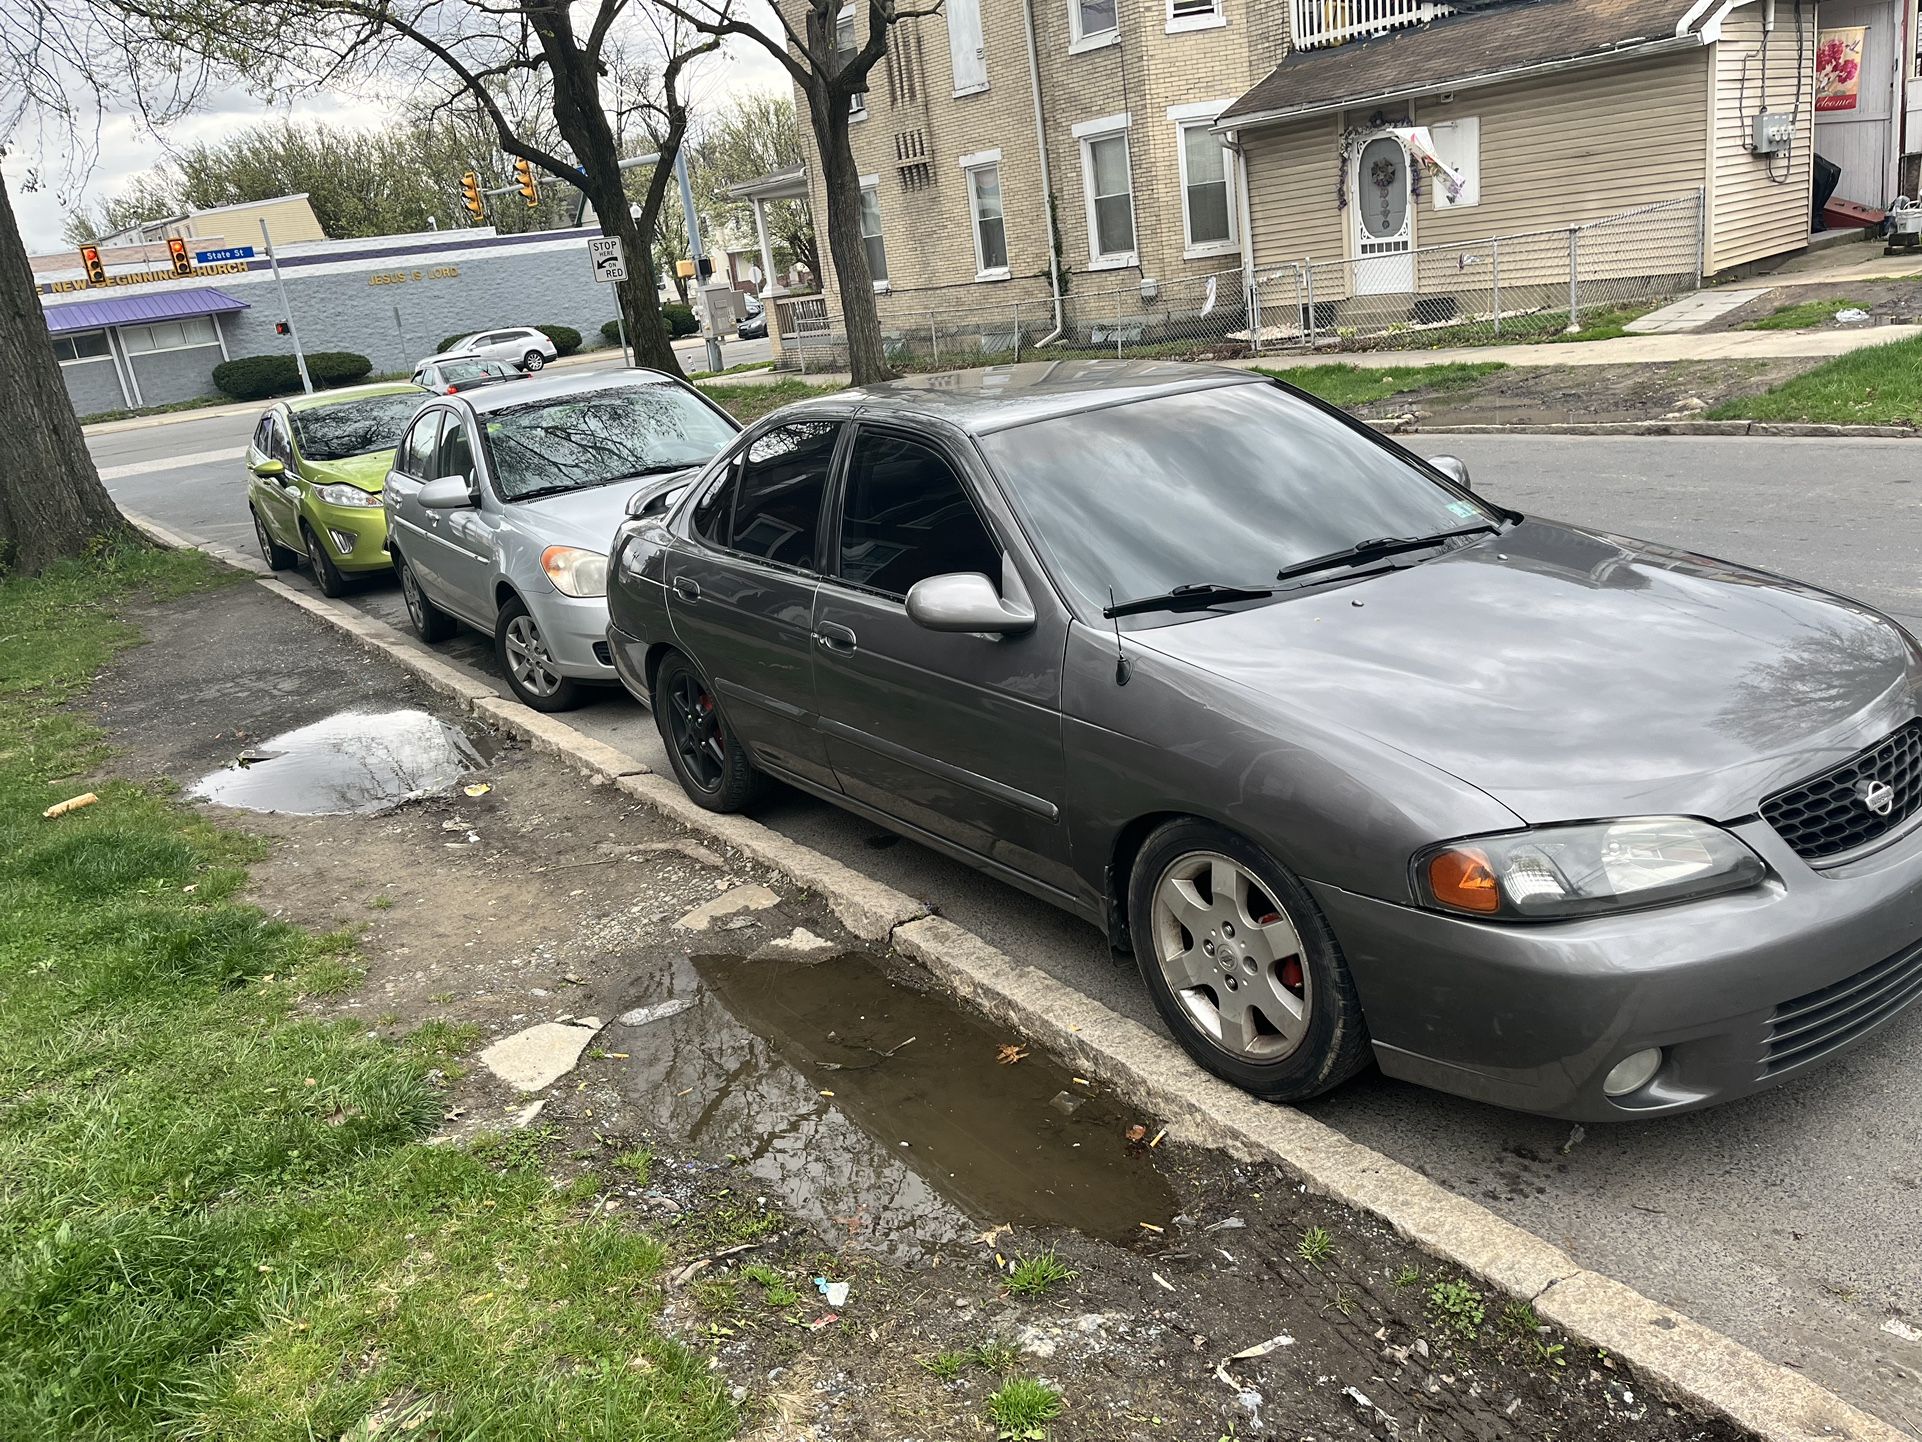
column 1241, row 964
column 277, row 556
column 708, row 758
column 327, row 575
column 430, row 623
column 529, row 666
column 533, row 361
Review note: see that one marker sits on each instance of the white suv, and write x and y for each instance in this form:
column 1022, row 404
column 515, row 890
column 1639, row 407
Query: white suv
column 523, row 345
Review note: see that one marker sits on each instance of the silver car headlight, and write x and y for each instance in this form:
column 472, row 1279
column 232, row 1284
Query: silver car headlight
column 575, row 571
column 1549, row 872
column 339, row 495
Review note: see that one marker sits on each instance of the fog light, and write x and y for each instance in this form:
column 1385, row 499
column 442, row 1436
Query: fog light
column 1633, row 1072
column 343, row 541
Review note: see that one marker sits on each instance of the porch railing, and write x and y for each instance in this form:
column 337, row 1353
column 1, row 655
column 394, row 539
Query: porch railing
column 1315, row 23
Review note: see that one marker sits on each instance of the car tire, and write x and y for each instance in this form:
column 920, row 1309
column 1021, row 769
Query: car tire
column 430, row 623
column 277, row 556
column 524, row 661
column 327, row 575
column 1252, row 984
column 708, row 758
column 533, row 361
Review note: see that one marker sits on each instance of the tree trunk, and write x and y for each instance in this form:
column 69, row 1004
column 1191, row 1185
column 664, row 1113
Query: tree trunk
column 52, row 504
column 867, row 360
column 583, row 124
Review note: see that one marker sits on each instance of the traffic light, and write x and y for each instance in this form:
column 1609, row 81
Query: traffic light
column 282, row 327
column 91, row 262
column 470, row 195
column 177, row 252
column 524, row 178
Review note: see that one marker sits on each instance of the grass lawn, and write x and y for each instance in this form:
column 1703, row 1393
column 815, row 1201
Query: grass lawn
column 1349, row 386
column 217, row 1218
column 750, row 402
column 1877, row 385
column 1805, row 315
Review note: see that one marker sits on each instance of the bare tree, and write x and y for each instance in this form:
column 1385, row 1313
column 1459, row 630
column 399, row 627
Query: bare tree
column 751, row 136
column 829, row 70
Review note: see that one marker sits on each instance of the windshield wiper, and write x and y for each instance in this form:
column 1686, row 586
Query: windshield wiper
column 1374, row 550
column 1197, row 597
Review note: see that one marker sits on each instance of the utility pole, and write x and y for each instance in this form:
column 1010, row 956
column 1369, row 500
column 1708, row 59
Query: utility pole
column 286, row 311
column 714, row 362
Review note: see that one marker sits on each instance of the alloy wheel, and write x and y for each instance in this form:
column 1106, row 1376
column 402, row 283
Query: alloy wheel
column 533, row 669
column 266, row 541
column 410, row 593
column 696, row 728
column 1231, row 956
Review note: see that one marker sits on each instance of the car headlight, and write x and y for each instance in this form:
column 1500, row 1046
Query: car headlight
column 338, row 495
column 575, row 572
column 1559, row 871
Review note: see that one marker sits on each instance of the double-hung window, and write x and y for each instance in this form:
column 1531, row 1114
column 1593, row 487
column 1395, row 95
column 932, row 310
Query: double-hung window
column 80, row 345
column 1106, row 178
column 1091, row 25
column 983, row 174
column 1208, row 205
column 871, row 231
column 1194, row 15
column 844, row 48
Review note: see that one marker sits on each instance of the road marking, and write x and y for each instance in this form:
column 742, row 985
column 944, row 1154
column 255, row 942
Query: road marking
column 168, row 463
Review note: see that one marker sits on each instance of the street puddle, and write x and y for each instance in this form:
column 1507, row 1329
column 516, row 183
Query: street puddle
column 884, row 1116
column 350, row 764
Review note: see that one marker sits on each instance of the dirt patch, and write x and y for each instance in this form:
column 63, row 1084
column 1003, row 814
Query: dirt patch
column 1888, row 302
column 1563, row 395
column 778, row 1107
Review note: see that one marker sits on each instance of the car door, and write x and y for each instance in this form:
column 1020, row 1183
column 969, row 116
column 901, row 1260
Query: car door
column 957, row 735
column 741, row 592
column 280, row 495
column 420, row 533
column 471, row 538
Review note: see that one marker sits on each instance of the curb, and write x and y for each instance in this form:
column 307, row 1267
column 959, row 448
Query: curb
column 1397, row 426
column 1691, row 1363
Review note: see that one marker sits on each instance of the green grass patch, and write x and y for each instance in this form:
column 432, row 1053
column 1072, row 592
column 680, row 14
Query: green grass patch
column 1315, row 1247
column 1031, row 1276
column 1022, row 1408
column 1599, row 325
column 776, row 1290
column 747, row 403
column 1877, row 385
column 1457, row 1306
column 744, row 368
column 1804, row 315
column 1349, row 386
column 216, row 1216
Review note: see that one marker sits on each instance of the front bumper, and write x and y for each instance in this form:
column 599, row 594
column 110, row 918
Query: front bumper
column 355, row 536
column 1743, row 991
column 575, row 630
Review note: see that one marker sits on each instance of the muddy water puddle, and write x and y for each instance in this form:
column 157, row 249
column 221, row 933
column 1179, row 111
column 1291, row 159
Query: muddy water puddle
column 880, row 1114
column 354, row 763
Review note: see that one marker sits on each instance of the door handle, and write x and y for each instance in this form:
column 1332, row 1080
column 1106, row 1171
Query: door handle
column 838, row 639
column 687, row 588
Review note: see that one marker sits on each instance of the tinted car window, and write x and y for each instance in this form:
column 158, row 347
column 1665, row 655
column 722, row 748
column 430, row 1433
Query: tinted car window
column 1226, row 485
column 907, row 517
column 777, row 503
column 593, row 438
column 416, row 457
column 715, row 509
column 353, row 428
column 456, row 454
column 277, row 447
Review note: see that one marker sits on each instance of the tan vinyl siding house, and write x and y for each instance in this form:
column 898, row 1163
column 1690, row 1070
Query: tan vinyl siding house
column 1748, row 214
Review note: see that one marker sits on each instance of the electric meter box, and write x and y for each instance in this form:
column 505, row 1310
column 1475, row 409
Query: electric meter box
column 1773, row 133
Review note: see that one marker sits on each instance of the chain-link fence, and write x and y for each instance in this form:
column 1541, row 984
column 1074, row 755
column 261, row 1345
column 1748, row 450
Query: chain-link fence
column 1505, row 289
column 1502, row 290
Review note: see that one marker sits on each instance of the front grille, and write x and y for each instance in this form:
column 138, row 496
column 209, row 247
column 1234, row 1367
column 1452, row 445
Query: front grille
column 1827, row 814
column 603, row 654
column 1803, row 1029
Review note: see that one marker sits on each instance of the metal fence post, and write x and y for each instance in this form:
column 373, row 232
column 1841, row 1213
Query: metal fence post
column 934, row 340
column 1701, row 232
column 1117, row 322
column 1574, row 278
column 1495, row 282
column 1016, row 308
column 1253, row 312
column 1308, row 266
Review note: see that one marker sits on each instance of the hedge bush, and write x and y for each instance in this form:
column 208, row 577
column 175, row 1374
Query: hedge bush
column 679, row 320
column 566, row 339
column 255, row 377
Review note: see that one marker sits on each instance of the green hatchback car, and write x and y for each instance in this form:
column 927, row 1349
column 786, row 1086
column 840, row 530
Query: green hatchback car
column 318, row 465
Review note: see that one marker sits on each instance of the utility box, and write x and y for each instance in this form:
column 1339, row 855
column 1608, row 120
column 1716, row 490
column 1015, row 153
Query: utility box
column 1774, row 133
column 718, row 312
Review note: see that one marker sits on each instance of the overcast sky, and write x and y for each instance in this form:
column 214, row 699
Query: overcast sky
column 125, row 150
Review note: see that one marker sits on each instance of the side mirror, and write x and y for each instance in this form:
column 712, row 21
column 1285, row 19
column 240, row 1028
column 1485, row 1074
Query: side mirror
column 657, row 498
column 966, row 601
column 1454, row 467
column 269, row 470
column 449, row 493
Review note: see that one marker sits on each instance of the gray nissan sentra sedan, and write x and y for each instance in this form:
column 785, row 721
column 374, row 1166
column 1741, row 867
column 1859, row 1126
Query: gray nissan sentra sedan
column 1358, row 764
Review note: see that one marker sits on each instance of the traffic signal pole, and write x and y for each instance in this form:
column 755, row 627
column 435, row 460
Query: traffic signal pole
column 714, row 362
column 293, row 332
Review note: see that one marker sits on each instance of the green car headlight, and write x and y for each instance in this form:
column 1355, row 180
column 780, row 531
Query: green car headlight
column 339, row 495
column 1550, row 872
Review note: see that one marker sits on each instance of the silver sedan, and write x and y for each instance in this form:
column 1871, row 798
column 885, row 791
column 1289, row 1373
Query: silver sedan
column 501, row 503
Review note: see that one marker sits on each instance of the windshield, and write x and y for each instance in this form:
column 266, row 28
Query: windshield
column 353, row 428
column 1225, row 486
column 594, row 437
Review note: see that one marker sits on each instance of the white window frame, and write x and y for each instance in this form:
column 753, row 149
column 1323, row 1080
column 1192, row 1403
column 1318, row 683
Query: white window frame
column 873, row 183
column 1189, row 117
column 971, row 165
column 1215, row 18
column 1085, row 134
column 1078, row 43
column 857, row 103
column 84, row 360
column 981, row 50
column 212, row 340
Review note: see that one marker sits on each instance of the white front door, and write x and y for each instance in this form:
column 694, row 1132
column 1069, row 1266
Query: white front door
column 1384, row 213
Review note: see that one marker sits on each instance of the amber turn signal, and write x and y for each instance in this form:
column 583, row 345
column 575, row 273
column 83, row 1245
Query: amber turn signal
column 1463, row 879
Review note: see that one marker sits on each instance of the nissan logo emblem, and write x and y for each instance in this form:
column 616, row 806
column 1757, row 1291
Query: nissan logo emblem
column 1878, row 796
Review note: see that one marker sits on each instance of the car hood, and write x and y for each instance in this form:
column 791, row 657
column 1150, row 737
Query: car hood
column 369, row 472
column 1572, row 675
column 580, row 518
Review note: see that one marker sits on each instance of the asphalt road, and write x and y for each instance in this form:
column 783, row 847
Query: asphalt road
column 1789, row 1220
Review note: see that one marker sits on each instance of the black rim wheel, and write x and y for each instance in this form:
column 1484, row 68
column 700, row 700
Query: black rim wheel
column 696, row 728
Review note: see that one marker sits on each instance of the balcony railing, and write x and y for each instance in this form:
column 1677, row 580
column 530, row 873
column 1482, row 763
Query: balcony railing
column 1330, row 22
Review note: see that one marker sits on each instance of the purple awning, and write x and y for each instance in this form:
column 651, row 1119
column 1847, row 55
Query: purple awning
column 140, row 309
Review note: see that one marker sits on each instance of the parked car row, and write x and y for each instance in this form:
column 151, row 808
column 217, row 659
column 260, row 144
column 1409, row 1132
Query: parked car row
column 1360, row 765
